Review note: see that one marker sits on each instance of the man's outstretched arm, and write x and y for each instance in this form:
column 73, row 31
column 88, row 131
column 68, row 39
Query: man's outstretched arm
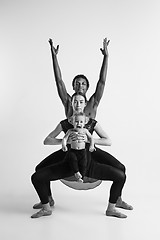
column 103, row 73
column 62, row 92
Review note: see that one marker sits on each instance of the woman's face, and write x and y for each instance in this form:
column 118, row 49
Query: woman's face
column 78, row 103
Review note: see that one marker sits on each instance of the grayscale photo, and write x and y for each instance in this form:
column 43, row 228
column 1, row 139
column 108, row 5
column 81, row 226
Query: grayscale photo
column 80, row 118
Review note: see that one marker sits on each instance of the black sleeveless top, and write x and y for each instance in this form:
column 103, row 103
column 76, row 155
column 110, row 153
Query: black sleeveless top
column 89, row 125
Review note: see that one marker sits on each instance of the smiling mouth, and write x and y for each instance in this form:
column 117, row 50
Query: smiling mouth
column 81, row 90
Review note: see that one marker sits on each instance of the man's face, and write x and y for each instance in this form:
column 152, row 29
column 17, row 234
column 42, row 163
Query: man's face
column 80, row 85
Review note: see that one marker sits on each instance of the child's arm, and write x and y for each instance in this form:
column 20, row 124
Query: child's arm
column 91, row 139
column 64, row 141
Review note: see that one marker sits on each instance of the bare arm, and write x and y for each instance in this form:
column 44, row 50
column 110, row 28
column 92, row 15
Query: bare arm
column 51, row 138
column 64, row 140
column 62, row 92
column 104, row 138
column 91, row 140
column 103, row 73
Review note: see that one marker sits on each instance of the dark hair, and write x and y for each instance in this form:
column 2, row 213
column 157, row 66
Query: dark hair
column 80, row 76
column 77, row 94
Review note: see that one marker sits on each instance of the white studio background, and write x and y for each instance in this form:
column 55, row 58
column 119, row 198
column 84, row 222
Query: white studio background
column 29, row 104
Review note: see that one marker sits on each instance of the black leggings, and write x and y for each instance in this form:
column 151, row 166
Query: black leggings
column 77, row 160
column 98, row 156
column 54, row 167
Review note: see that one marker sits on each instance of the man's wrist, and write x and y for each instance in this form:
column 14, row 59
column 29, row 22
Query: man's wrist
column 105, row 55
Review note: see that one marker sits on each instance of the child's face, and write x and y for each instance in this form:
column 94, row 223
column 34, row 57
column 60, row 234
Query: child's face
column 79, row 122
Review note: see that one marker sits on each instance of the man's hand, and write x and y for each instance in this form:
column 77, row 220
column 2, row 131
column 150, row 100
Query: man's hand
column 54, row 50
column 104, row 50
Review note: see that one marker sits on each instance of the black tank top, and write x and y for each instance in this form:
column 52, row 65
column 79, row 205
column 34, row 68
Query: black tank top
column 89, row 125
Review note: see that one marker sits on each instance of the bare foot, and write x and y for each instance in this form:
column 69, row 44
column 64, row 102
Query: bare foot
column 78, row 177
column 80, row 180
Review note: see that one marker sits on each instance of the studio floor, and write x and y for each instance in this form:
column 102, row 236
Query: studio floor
column 77, row 215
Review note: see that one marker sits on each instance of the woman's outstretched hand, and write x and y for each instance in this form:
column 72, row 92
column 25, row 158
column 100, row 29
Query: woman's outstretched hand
column 64, row 148
column 104, row 50
column 92, row 149
column 54, row 50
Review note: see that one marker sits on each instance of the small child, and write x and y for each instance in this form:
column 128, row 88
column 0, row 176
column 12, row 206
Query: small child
column 77, row 153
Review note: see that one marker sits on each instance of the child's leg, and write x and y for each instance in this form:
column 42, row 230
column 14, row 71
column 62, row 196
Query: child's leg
column 82, row 162
column 73, row 161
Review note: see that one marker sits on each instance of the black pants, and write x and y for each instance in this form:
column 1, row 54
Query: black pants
column 77, row 159
column 102, row 166
column 98, row 156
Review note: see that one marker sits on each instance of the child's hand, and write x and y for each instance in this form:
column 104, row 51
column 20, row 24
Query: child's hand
column 64, row 148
